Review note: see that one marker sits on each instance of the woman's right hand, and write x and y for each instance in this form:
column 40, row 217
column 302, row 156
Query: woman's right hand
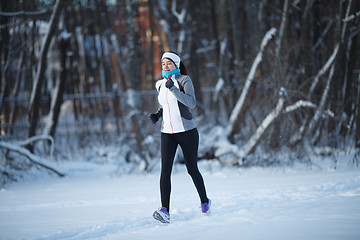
column 169, row 83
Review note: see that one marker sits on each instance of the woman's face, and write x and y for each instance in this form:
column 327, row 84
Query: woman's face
column 167, row 65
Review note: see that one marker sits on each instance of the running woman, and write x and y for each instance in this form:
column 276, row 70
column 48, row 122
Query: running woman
column 176, row 96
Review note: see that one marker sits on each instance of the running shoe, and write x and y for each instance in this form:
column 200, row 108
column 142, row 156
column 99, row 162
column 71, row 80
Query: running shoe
column 205, row 208
column 162, row 215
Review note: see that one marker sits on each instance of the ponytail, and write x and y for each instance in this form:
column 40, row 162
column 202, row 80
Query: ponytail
column 182, row 68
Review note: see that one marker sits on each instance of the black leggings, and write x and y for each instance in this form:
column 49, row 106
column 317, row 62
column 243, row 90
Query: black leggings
column 189, row 142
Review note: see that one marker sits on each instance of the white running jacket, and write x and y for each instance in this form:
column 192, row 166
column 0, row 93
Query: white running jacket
column 175, row 103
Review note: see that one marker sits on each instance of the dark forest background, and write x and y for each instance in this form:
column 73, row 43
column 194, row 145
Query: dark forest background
column 272, row 75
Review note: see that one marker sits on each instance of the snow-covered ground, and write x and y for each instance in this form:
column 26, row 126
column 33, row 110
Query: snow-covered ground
column 274, row 203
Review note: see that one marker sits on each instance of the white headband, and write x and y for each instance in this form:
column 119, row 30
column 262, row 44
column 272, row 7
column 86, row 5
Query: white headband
column 172, row 56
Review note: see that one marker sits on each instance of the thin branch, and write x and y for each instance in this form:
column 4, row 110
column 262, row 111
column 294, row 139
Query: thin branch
column 351, row 17
column 344, row 28
column 299, row 104
column 24, row 13
column 319, row 41
column 324, row 69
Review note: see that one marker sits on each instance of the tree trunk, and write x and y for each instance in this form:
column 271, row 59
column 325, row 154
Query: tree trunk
column 162, row 22
column 36, row 91
column 131, row 38
column 4, row 58
column 357, row 121
column 16, row 88
column 118, row 83
column 194, row 60
column 150, row 68
column 236, row 39
column 78, row 65
column 282, row 29
column 59, row 89
column 351, row 61
column 304, row 52
column 214, row 26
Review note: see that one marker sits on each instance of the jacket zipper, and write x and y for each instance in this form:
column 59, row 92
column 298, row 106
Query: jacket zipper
column 172, row 129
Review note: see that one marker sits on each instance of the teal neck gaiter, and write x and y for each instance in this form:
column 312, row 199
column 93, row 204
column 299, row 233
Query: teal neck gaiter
column 166, row 74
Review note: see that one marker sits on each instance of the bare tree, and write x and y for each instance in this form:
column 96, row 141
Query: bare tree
column 181, row 17
column 357, row 121
column 57, row 98
column 36, row 92
column 161, row 17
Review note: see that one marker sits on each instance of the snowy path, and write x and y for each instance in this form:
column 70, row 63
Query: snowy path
column 247, row 204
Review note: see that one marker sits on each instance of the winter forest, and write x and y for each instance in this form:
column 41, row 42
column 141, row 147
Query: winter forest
column 276, row 81
column 277, row 85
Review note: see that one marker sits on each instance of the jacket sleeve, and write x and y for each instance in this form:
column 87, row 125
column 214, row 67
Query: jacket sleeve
column 158, row 85
column 159, row 113
column 188, row 96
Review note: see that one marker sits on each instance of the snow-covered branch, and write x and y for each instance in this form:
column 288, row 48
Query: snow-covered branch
column 305, row 104
column 39, row 138
column 351, row 17
column 240, row 103
column 33, row 158
column 299, row 104
column 324, row 69
column 180, row 16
